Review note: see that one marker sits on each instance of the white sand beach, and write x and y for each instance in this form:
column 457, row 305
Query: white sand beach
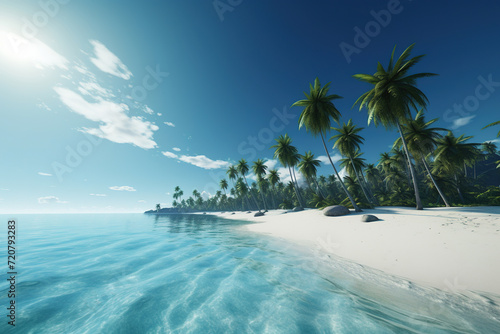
column 448, row 248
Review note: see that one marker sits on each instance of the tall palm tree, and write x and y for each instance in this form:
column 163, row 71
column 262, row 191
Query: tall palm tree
column 489, row 148
column 318, row 112
column 259, row 168
column 393, row 97
column 422, row 141
column 223, row 185
column 450, row 154
column 274, row 178
column 308, row 167
column 287, row 155
column 347, row 141
column 242, row 168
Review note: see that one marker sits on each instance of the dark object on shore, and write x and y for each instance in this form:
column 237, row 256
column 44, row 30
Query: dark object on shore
column 232, row 213
column 369, row 218
column 336, row 210
column 249, row 211
column 258, row 214
column 204, row 213
column 297, row 208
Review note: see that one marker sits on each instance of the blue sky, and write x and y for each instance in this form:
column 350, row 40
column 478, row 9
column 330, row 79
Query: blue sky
column 107, row 107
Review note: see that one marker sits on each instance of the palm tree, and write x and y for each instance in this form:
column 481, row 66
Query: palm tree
column 287, row 154
column 158, row 207
column 450, row 154
column 489, row 148
column 274, row 178
column 347, row 141
column 242, row 189
column 242, row 168
column 493, row 124
column 259, row 168
column 308, row 167
column 392, row 98
column 422, row 141
column 223, row 185
column 316, row 117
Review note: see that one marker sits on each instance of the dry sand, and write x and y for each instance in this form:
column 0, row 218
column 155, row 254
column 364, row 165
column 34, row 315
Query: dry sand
column 448, row 248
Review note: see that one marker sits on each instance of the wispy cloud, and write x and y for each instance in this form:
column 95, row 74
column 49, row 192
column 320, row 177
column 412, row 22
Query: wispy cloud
column 44, row 174
column 115, row 125
column 159, row 114
column 122, row 188
column 50, row 200
column 94, row 89
column 201, row 161
column 148, row 110
column 30, row 50
column 141, row 201
column 176, row 149
column 43, row 106
column 98, row 195
column 169, row 124
column 459, row 122
column 108, row 62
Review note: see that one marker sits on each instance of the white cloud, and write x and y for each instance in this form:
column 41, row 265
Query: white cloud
column 44, row 174
column 98, row 195
column 30, row 50
column 459, row 122
column 492, row 141
column 201, row 161
column 170, row 155
column 49, row 200
column 206, row 195
column 115, row 125
column 169, row 124
column 122, row 188
column 148, row 110
column 108, row 62
column 176, row 149
column 335, row 158
column 141, row 201
column 159, row 114
column 93, row 89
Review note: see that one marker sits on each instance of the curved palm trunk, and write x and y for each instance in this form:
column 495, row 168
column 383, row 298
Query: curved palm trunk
column 298, row 188
column 295, row 187
column 434, row 182
column 412, row 170
column 458, row 190
column 263, row 199
column 319, row 188
column 250, row 191
column 360, row 182
column 354, row 205
column 368, row 187
column 272, row 197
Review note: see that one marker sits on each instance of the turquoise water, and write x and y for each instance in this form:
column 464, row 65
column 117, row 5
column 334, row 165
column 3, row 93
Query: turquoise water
column 134, row 273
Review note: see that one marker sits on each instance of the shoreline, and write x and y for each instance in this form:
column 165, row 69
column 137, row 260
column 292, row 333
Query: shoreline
column 453, row 249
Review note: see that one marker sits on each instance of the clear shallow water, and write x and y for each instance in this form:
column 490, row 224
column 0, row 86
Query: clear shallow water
column 134, row 273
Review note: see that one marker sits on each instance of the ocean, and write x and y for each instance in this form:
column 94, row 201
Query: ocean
column 137, row 273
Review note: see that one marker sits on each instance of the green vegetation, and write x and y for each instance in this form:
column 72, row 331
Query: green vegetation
column 427, row 166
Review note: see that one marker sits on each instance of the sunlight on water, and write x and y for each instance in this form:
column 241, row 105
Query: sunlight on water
column 134, row 273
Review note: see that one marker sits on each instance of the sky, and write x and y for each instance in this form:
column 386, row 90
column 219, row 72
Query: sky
column 107, row 106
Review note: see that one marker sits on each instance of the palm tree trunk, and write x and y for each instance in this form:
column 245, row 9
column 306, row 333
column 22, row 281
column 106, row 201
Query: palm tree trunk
column 375, row 200
column 319, row 188
column 413, row 176
column 263, row 199
column 250, row 190
column 272, row 197
column 434, row 182
column 465, row 169
column 360, row 182
column 298, row 188
column 295, row 188
column 458, row 190
column 354, row 205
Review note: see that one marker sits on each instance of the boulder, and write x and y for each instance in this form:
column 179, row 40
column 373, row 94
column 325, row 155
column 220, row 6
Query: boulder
column 369, row 218
column 336, row 210
column 258, row 214
column 297, row 208
column 232, row 213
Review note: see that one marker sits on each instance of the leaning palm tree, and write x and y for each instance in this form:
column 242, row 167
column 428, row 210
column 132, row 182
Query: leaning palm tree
column 223, row 185
column 422, row 141
column 308, row 167
column 348, row 141
column 316, row 117
column 259, row 168
column 242, row 168
column 393, row 97
column 493, row 124
column 287, row 155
